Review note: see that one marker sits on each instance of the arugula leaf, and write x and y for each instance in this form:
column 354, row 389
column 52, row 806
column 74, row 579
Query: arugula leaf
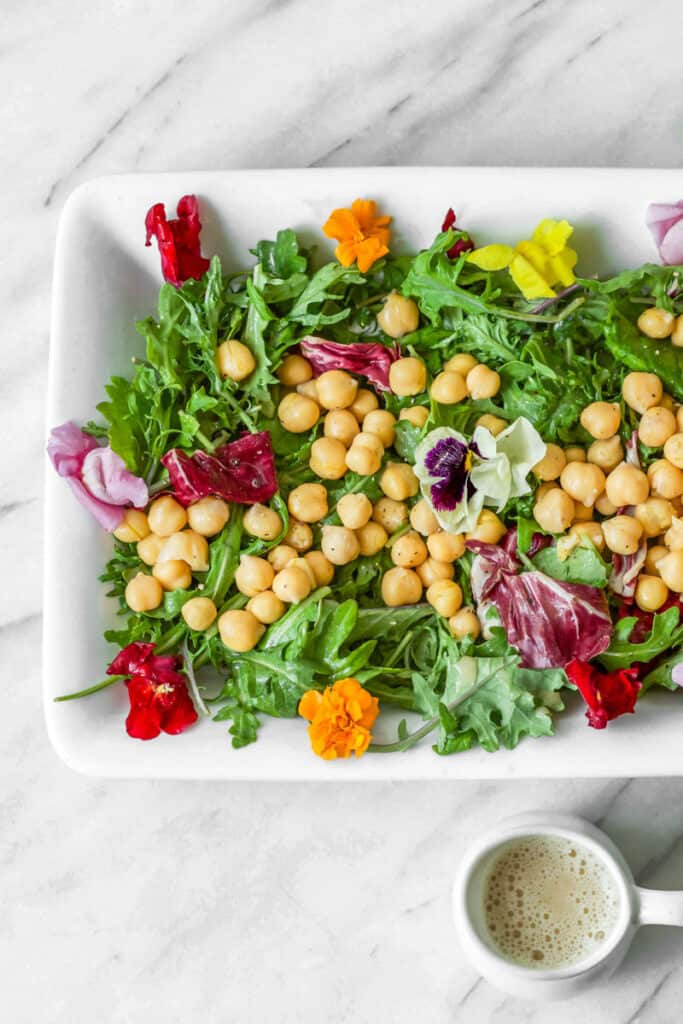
column 666, row 633
column 326, row 286
column 283, row 257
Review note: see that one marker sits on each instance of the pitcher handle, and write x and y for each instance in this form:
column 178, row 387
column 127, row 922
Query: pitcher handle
column 657, row 906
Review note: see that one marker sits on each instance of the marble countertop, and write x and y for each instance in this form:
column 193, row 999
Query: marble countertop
column 131, row 902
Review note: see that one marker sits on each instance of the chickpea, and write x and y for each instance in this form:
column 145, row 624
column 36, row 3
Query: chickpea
column 339, row 544
column 432, row 570
column 297, row 413
column 308, row 503
column 407, row 376
column 591, row 530
column 423, row 519
column 208, row 516
column 235, row 361
column 654, row 554
column 299, row 536
column 461, row 362
column 364, row 402
column 281, row 556
column 398, row 481
column 607, row 454
column 166, row 516
column 354, row 510
column 191, row 547
column 390, row 514
column 321, row 567
column 489, row 528
column 673, row 450
column 555, row 511
column 667, row 402
column 575, row 454
column 673, row 538
column 601, row 419
column 656, row 322
column 666, row 480
column 448, row 388
column 642, row 390
column 654, row 515
column 174, row 574
column 341, row 425
column 371, row 538
column 677, row 333
column 541, row 491
column 464, row 623
column 627, row 485
column 604, row 506
column 149, row 547
column 583, row 482
column 328, row 458
column 401, row 586
column 292, row 584
column 656, row 426
column 199, row 613
column 309, row 389
column 670, row 568
column 380, row 422
column 582, row 513
column 445, row 597
column 483, row 382
column 143, row 593
column 267, row 607
column 253, row 575
column 365, row 454
column 622, row 534
column 240, row 630
column 262, row 522
column 336, row 389
column 293, row 370
column 398, row 316
column 409, row 550
column 494, row 424
column 446, row 547
column 133, row 527
column 651, row 593
column 416, row 414
column 552, row 463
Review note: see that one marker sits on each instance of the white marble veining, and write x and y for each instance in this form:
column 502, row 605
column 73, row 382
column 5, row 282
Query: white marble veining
column 150, row 902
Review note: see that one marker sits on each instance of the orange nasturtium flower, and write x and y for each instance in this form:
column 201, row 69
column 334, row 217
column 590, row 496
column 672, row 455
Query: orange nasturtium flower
column 341, row 718
column 535, row 264
column 363, row 236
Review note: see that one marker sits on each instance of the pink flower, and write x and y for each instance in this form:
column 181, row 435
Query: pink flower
column 97, row 476
column 178, row 240
column 665, row 221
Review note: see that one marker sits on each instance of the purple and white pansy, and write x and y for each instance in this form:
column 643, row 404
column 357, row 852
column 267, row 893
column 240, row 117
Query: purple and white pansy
column 459, row 477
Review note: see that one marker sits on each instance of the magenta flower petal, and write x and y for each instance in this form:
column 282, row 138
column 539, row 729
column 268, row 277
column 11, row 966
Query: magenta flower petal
column 671, row 249
column 677, row 674
column 665, row 221
column 105, row 475
column 67, row 447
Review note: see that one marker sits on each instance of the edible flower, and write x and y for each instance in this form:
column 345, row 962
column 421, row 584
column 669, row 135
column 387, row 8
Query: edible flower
column 178, row 240
column 665, row 221
column 158, row 693
column 341, row 718
column 607, row 694
column 462, row 244
column 363, row 236
column 97, row 475
column 535, row 264
column 367, row 358
column 459, row 477
column 242, row 471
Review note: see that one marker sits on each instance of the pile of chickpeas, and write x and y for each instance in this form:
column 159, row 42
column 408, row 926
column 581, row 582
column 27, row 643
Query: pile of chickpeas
column 638, row 506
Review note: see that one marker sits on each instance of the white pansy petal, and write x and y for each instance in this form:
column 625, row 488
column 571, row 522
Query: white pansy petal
column 494, row 479
column 524, row 447
column 463, row 518
column 485, row 442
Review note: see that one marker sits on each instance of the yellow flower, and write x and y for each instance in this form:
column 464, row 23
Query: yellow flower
column 341, row 718
column 362, row 235
column 535, row 264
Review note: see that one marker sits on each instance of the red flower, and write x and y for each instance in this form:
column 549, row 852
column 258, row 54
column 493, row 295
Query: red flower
column 242, row 471
column 158, row 694
column 178, row 240
column 462, row 244
column 607, row 694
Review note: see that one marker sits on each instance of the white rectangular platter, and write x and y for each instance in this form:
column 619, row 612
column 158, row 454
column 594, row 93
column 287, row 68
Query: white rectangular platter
column 105, row 279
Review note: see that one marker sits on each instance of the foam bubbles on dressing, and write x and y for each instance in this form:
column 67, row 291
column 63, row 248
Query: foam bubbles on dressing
column 549, row 902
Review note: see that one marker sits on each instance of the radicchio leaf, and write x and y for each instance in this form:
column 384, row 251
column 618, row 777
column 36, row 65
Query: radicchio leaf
column 242, row 471
column 367, row 358
column 178, row 240
column 548, row 621
column 625, row 569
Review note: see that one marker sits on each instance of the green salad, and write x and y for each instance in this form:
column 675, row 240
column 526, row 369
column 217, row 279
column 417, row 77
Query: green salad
column 448, row 483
